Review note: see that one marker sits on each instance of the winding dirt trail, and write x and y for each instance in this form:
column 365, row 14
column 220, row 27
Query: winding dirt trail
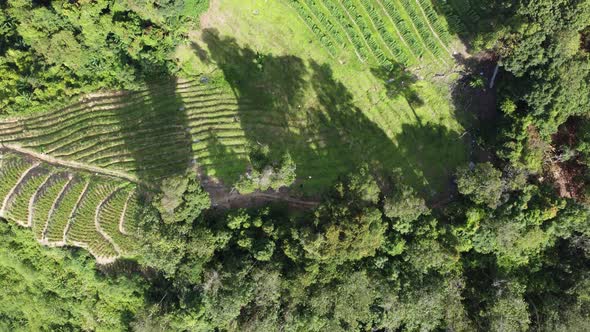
column 223, row 197
column 124, row 213
column 70, row 164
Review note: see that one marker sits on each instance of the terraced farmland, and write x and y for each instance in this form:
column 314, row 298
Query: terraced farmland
column 177, row 123
column 329, row 122
column 69, row 208
column 408, row 32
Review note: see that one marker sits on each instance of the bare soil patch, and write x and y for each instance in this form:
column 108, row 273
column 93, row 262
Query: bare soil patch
column 223, row 197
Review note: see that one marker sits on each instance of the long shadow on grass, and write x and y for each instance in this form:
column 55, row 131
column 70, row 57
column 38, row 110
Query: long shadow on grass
column 468, row 18
column 157, row 140
column 311, row 115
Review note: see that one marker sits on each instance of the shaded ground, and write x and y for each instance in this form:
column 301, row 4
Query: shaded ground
column 567, row 173
column 223, row 197
column 477, row 105
column 298, row 107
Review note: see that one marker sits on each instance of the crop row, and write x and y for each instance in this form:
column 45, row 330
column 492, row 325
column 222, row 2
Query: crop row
column 11, row 170
column 367, row 25
column 401, row 54
column 314, row 25
column 83, row 230
column 91, row 136
column 345, row 21
column 64, row 212
column 404, row 26
column 18, row 210
column 69, row 208
column 130, row 219
column 421, row 25
column 369, row 35
column 107, row 99
column 51, row 140
column 112, row 215
column 435, row 21
column 44, row 202
column 119, row 108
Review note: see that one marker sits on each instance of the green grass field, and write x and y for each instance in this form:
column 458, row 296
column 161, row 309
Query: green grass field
column 329, row 108
column 334, row 84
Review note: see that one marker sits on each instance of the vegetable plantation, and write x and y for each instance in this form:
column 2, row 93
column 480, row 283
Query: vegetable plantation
column 409, row 32
column 69, row 208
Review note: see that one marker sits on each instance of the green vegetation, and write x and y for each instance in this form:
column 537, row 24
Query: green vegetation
column 295, row 165
column 68, row 207
column 53, row 289
column 45, row 60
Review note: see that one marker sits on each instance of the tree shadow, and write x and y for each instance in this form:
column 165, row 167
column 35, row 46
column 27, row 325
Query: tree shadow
column 397, row 81
column 477, row 106
column 267, row 89
column 306, row 111
column 157, row 139
column 200, row 52
column 469, row 18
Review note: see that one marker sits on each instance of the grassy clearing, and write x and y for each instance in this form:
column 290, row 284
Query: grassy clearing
column 326, row 101
column 325, row 84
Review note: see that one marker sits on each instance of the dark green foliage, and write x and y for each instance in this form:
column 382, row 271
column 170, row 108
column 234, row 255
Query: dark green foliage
column 256, row 233
column 172, row 238
column 50, row 53
column 266, row 173
column 482, row 183
column 347, row 228
column 51, row 289
column 181, row 199
column 509, row 311
column 405, row 207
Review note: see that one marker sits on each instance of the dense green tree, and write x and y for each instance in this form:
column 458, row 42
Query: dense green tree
column 482, row 183
column 53, row 289
column 509, row 311
column 348, row 227
column 405, row 206
column 54, row 51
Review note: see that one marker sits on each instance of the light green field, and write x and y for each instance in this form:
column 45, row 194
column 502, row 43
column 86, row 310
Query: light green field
column 330, row 108
column 265, row 75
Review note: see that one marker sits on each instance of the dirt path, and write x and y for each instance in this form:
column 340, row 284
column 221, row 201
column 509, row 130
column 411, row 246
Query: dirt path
column 223, row 197
column 123, row 213
column 70, row 164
